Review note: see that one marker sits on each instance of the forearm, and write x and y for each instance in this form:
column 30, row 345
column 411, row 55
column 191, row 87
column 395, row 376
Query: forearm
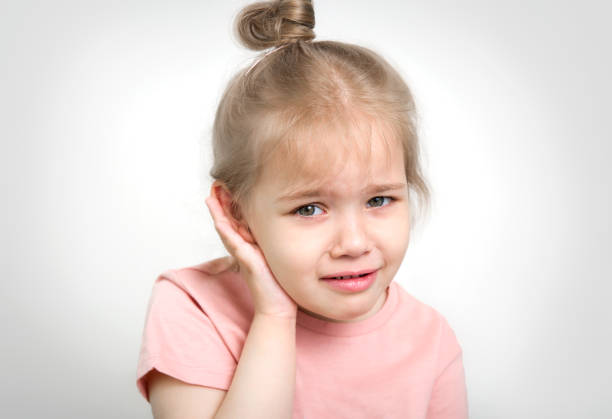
column 263, row 385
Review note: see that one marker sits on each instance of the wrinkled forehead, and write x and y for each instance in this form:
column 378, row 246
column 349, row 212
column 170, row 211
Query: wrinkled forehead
column 312, row 155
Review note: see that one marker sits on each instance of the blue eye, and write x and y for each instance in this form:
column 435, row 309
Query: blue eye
column 379, row 201
column 309, row 210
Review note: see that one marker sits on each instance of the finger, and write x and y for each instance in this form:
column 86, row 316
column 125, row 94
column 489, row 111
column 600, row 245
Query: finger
column 219, row 218
column 225, row 230
column 214, row 206
column 216, row 211
column 235, row 244
column 232, row 240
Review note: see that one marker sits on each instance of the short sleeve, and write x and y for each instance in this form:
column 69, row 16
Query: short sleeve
column 180, row 340
column 449, row 395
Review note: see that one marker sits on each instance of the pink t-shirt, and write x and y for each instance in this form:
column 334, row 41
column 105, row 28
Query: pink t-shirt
column 403, row 362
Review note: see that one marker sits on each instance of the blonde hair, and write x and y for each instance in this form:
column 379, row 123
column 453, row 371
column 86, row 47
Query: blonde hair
column 302, row 86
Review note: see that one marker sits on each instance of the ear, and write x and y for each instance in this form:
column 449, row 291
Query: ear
column 232, row 211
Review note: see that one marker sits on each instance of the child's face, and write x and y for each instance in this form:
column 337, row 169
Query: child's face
column 359, row 220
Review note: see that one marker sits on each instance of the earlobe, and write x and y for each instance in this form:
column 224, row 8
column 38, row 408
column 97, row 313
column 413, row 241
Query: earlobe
column 232, row 211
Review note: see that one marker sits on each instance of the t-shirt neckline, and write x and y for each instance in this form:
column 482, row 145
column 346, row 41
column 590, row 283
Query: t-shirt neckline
column 368, row 325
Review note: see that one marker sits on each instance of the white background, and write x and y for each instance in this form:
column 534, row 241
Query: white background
column 106, row 109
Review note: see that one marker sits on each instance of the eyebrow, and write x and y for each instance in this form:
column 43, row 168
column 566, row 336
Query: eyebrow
column 317, row 192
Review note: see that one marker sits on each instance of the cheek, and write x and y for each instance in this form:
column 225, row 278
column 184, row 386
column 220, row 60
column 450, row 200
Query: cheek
column 292, row 253
column 393, row 235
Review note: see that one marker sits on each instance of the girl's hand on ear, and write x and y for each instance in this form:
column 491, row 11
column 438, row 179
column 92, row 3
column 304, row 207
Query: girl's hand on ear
column 269, row 297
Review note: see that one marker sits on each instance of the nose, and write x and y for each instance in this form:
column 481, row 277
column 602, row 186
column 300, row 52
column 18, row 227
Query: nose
column 351, row 238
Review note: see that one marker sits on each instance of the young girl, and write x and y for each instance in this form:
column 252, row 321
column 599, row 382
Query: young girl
column 317, row 178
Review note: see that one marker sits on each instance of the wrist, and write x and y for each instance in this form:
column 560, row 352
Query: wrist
column 276, row 317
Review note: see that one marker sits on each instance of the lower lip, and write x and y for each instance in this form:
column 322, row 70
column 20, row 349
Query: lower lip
column 353, row 284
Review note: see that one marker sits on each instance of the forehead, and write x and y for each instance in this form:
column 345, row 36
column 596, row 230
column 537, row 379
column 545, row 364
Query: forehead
column 320, row 155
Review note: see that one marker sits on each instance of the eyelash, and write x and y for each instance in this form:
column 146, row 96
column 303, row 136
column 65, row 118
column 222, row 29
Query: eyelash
column 296, row 211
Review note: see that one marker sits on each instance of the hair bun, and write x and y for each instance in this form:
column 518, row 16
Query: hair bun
column 268, row 24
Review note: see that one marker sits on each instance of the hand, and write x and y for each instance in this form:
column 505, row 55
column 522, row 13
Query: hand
column 269, row 297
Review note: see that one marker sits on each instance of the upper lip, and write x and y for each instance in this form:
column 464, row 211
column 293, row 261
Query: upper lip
column 349, row 273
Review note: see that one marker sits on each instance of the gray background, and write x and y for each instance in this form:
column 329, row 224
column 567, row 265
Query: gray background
column 106, row 109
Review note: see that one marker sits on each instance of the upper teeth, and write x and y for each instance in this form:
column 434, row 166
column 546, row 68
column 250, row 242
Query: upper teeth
column 347, row 277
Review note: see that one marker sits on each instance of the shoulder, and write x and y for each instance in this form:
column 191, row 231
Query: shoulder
column 206, row 282
column 216, row 266
column 434, row 333
column 196, row 324
column 426, row 321
column 186, row 277
column 211, row 294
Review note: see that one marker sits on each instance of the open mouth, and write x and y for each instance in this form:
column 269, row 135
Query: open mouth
column 347, row 276
column 350, row 275
column 351, row 281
